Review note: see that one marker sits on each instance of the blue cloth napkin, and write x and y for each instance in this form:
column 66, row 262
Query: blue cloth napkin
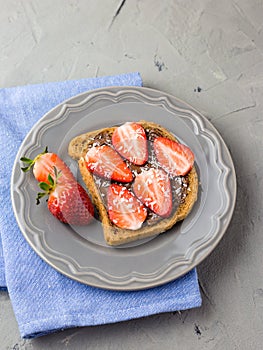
column 44, row 300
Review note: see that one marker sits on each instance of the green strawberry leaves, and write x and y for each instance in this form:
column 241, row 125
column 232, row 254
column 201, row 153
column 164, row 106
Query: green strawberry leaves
column 48, row 187
column 31, row 162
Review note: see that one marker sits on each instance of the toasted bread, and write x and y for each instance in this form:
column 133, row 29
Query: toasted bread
column 114, row 235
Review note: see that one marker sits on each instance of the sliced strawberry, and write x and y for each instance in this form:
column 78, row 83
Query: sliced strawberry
column 153, row 188
column 174, row 157
column 107, row 163
column 124, row 209
column 68, row 201
column 130, row 141
column 43, row 165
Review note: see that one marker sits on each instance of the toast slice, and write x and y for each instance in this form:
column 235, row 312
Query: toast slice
column 114, row 235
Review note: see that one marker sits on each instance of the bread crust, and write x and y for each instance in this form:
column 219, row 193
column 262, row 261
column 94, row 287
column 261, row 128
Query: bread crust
column 113, row 235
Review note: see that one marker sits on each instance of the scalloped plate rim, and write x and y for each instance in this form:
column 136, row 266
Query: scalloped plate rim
column 67, row 104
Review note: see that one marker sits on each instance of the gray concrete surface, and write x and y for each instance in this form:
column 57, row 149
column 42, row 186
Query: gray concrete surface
column 206, row 52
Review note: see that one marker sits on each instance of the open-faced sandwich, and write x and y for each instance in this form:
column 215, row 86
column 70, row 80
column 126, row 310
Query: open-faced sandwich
column 141, row 179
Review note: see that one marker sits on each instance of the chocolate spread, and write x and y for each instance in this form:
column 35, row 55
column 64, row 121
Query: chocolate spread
column 179, row 184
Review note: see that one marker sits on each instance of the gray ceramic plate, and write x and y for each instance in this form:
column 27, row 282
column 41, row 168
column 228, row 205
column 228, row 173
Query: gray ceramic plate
column 81, row 253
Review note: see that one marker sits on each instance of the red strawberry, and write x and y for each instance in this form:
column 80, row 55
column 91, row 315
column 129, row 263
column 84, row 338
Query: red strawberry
column 124, row 209
column 68, row 201
column 153, row 188
column 107, row 163
column 175, row 158
column 43, row 165
column 130, row 141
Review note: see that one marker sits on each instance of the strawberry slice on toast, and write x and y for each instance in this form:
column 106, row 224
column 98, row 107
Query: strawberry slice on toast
column 153, row 188
column 107, row 163
column 124, row 209
column 130, row 141
column 175, row 158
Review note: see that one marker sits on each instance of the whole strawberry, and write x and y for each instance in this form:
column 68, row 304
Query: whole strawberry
column 43, row 165
column 68, row 201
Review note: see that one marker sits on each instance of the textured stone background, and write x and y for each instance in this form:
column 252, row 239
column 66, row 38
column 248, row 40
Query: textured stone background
column 206, row 52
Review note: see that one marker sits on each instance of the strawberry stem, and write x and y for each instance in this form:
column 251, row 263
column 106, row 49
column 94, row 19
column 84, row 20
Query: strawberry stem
column 44, row 186
column 31, row 162
column 48, row 187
